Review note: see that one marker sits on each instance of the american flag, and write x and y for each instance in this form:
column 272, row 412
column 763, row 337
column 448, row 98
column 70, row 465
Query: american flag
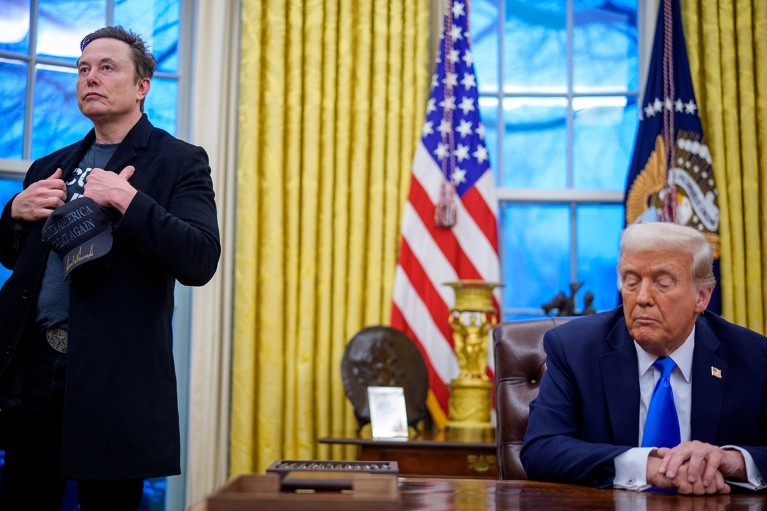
column 671, row 178
column 450, row 224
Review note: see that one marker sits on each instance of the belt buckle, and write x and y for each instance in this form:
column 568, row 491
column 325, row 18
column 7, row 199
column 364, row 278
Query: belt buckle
column 57, row 339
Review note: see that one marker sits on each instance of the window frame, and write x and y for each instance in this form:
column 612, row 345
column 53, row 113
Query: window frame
column 183, row 75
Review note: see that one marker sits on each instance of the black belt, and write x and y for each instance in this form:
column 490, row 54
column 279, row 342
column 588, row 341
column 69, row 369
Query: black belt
column 57, row 338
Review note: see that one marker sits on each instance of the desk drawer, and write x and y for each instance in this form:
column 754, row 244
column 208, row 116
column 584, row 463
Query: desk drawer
column 436, row 460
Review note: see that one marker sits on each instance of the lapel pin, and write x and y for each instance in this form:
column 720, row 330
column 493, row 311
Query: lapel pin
column 716, row 372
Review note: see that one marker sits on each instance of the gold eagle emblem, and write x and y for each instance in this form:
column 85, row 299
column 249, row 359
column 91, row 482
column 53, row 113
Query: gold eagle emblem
column 695, row 202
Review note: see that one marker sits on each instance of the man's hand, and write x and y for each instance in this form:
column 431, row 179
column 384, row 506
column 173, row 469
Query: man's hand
column 109, row 189
column 695, row 468
column 39, row 199
column 681, row 481
column 704, row 462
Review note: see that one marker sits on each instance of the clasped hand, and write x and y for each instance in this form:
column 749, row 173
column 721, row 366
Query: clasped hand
column 111, row 190
column 108, row 189
column 695, row 468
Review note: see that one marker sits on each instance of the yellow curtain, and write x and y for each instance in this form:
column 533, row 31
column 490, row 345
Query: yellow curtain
column 727, row 48
column 332, row 96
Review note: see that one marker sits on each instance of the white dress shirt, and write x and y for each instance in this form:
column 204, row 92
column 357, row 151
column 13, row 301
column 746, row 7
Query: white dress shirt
column 631, row 466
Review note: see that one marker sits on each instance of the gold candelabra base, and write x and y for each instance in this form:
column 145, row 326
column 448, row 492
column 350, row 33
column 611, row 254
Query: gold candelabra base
column 469, row 412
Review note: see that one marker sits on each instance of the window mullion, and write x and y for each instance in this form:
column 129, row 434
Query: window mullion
column 26, row 147
column 570, row 123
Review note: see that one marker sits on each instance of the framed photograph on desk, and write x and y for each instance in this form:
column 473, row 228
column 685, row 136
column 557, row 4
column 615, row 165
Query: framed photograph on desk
column 388, row 414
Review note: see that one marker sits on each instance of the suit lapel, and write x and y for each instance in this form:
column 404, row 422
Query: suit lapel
column 137, row 137
column 621, row 386
column 709, row 376
column 122, row 155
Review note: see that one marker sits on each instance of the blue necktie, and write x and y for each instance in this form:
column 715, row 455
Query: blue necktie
column 662, row 426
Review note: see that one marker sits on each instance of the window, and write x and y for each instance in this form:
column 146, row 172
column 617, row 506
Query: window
column 39, row 47
column 558, row 84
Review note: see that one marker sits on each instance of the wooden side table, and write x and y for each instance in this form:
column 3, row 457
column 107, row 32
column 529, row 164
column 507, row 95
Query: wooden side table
column 429, row 457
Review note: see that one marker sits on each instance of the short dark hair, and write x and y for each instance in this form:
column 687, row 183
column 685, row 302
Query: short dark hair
column 144, row 61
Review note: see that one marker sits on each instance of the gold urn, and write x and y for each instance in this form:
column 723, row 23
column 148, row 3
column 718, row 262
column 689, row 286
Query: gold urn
column 471, row 319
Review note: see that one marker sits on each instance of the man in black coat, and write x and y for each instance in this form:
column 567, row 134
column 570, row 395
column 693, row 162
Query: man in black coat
column 87, row 379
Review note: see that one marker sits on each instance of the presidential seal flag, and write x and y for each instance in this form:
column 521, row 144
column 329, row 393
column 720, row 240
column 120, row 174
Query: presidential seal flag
column 450, row 224
column 671, row 178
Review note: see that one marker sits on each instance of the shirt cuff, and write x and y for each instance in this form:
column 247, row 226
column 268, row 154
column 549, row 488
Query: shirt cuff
column 754, row 479
column 631, row 469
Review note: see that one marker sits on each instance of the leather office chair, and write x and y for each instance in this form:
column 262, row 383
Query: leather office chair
column 384, row 356
column 519, row 364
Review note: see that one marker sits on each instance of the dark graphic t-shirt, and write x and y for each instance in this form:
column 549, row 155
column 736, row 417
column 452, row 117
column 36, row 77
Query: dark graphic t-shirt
column 53, row 300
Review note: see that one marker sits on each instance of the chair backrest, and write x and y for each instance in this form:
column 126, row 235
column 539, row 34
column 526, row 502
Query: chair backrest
column 384, row 356
column 519, row 364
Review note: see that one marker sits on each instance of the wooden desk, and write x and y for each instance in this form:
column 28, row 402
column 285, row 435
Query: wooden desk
column 429, row 457
column 421, row 494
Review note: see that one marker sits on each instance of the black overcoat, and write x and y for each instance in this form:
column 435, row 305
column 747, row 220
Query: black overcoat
column 120, row 407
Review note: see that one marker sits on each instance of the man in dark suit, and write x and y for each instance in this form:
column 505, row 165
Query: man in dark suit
column 87, row 378
column 587, row 424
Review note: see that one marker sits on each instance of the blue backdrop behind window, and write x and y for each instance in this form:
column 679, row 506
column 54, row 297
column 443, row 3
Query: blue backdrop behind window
column 558, row 83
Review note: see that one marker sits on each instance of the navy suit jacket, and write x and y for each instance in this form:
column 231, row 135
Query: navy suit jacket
column 587, row 411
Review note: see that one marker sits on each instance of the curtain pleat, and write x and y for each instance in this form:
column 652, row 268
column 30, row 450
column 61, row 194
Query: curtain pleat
column 727, row 48
column 331, row 97
column 244, row 349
